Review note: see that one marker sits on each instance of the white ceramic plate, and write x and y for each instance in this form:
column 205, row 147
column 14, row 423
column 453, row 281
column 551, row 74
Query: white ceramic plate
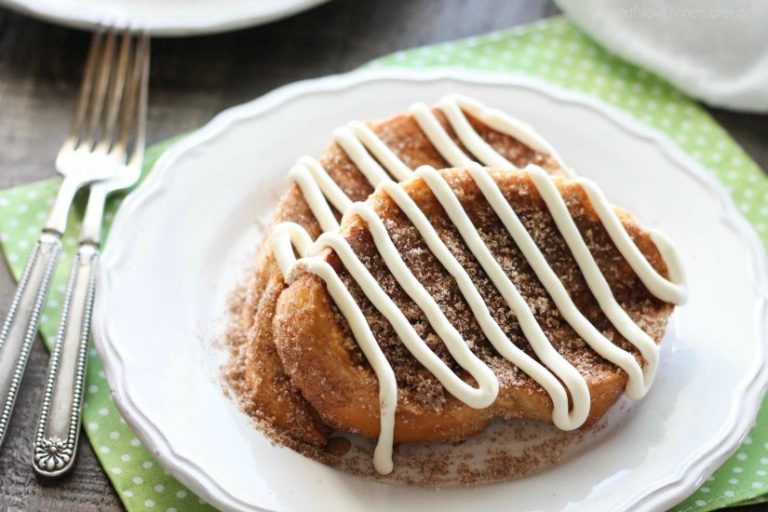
column 163, row 17
column 180, row 241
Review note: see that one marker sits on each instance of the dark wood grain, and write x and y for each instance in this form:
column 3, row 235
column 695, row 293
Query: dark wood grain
column 193, row 79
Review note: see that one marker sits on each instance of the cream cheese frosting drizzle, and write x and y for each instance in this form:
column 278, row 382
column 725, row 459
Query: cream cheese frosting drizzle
column 482, row 396
column 359, row 142
column 382, row 455
column 453, row 107
column 562, row 417
column 557, row 376
column 637, row 384
column 553, row 368
column 319, row 189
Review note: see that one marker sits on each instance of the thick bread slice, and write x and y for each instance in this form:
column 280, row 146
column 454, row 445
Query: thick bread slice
column 325, row 363
column 255, row 371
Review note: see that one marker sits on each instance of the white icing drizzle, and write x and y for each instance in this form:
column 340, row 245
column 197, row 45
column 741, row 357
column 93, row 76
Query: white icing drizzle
column 501, row 121
column 490, row 328
column 356, row 152
column 382, row 455
column 669, row 291
column 557, row 376
column 316, row 186
column 287, row 237
column 595, row 279
column 357, row 139
column 637, row 385
column 482, row 396
column 381, row 151
column 469, row 137
column 439, row 137
column 530, row 327
column 453, row 107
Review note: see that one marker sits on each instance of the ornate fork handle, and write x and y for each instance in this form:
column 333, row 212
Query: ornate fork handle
column 18, row 331
column 59, row 426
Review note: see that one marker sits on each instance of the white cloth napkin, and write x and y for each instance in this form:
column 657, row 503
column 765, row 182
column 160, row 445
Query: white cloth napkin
column 714, row 50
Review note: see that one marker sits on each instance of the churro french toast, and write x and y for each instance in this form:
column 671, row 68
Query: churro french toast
column 465, row 295
column 415, row 305
column 457, row 130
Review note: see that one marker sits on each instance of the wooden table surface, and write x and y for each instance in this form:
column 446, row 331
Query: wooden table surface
column 193, row 79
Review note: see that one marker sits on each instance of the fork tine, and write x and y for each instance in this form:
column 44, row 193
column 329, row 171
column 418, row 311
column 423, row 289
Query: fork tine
column 116, row 91
column 137, row 154
column 97, row 43
column 97, row 98
column 133, row 126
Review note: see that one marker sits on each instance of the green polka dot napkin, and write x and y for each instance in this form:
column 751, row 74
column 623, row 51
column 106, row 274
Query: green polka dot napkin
column 553, row 50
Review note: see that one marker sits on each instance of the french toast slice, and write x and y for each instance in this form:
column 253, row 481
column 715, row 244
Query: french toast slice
column 255, row 371
column 325, row 363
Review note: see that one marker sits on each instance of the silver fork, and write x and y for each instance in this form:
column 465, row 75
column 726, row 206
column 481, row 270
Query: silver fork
column 18, row 330
column 122, row 149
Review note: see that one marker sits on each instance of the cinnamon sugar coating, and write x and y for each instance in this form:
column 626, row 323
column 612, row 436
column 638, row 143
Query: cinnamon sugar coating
column 255, row 371
column 323, row 359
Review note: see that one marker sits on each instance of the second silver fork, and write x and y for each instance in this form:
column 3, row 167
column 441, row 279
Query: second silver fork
column 122, row 148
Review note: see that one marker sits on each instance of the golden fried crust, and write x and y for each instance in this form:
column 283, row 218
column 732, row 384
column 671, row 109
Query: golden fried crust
column 255, row 371
column 325, row 363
